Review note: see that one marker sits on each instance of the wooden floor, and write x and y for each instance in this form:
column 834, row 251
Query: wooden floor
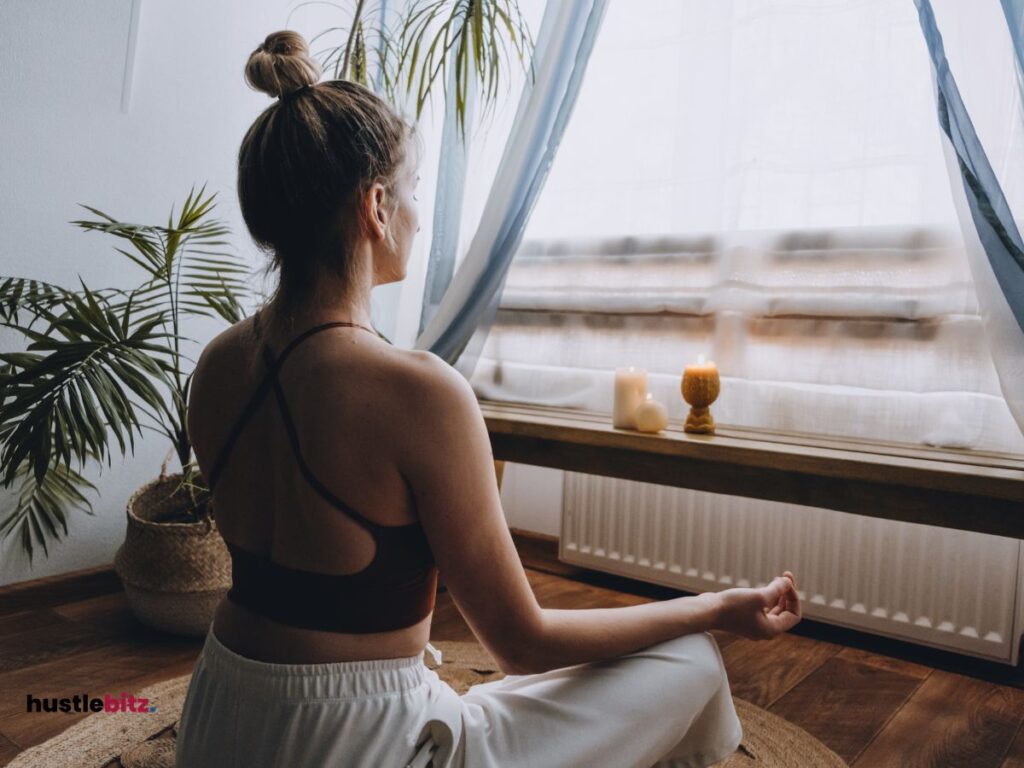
column 871, row 708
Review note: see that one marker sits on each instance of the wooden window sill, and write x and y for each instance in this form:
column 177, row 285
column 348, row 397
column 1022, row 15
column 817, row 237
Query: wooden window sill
column 969, row 490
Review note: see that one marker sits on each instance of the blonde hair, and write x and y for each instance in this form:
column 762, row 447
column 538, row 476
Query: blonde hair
column 307, row 161
column 281, row 64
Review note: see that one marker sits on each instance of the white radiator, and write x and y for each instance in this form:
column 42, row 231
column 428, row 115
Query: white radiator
column 949, row 589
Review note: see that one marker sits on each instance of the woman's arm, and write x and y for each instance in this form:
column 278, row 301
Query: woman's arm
column 445, row 454
column 589, row 634
column 574, row 636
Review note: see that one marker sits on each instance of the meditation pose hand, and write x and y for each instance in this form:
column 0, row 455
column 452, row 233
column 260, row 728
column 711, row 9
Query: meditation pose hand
column 760, row 613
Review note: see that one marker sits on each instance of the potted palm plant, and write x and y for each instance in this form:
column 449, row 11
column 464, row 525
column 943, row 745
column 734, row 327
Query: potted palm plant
column 101, row 367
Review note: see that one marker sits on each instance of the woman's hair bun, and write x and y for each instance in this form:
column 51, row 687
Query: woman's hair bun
column 282, row 64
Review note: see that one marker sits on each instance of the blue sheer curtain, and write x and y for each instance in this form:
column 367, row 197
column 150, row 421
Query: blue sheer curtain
column 1014, row 12
column 458, row 326
column 448, row 202
column 991, row 235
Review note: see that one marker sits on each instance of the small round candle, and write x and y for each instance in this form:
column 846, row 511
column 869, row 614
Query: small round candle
column 651, row 416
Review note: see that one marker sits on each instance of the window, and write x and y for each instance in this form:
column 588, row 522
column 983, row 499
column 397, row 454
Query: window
column 763, row 183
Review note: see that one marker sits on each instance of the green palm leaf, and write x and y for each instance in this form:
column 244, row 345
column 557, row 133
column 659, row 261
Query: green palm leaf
column 39, row 513
column 481, row 39
column 186, row 261
column 76, row 382
column 102, row 365
column 363, row 49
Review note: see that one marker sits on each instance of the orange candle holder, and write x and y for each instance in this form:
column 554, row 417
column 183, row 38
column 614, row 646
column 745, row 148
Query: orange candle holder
column 700, row 387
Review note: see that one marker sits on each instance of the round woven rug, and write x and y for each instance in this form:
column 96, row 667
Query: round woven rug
column 125, row 740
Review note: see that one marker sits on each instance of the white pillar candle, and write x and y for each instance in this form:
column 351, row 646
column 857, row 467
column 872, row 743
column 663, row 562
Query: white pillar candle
column 630, row 388
column 651, row 416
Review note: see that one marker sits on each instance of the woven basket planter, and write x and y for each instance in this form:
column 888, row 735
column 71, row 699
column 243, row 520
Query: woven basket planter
column 174, row 573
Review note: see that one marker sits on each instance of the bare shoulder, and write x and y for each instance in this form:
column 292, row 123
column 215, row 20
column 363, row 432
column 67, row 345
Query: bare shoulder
column 428, row 402
column 226, row 350
column 433, row 389
column 438, row 420
column 217, row 370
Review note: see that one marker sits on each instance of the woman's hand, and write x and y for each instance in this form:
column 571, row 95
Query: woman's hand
column 762, row 613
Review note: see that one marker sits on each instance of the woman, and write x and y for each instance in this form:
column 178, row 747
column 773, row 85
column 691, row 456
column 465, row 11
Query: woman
column 346, row 473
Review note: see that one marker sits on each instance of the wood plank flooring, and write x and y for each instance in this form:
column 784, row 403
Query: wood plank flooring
column 872, row 708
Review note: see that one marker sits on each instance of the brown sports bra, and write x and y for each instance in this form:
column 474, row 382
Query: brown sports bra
column 397, row 589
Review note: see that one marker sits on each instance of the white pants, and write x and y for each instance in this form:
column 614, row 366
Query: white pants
column 667, row 705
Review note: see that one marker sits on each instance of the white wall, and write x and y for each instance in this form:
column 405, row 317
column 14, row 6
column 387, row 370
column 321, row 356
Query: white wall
column 64, row 140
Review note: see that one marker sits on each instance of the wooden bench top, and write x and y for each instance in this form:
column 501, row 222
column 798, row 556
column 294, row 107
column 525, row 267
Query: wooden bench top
column 969, row 490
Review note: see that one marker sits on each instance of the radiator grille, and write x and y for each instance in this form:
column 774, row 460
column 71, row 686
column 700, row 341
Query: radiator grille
column 950, row 589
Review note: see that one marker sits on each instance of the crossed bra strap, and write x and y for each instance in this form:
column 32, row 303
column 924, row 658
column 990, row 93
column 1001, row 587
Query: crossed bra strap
column 271, row 380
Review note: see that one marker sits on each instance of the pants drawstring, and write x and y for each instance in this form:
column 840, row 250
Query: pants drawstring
column 436, row 654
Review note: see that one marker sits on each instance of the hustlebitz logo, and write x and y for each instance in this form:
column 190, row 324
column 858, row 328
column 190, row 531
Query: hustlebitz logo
column 83, row 702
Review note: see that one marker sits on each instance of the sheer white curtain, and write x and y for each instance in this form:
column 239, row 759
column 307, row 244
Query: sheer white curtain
column 978, row 95
column 763, row 182
column 464, row 315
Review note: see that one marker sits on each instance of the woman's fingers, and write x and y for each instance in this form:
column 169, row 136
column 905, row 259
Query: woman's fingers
column 784, row 622
column 789, row 598
column 785, row 611
column 778, row 603
column 794, row 609
column 775, row 591
column 792, row 598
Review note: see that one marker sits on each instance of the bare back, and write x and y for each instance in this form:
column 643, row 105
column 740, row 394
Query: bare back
column 343, row 390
